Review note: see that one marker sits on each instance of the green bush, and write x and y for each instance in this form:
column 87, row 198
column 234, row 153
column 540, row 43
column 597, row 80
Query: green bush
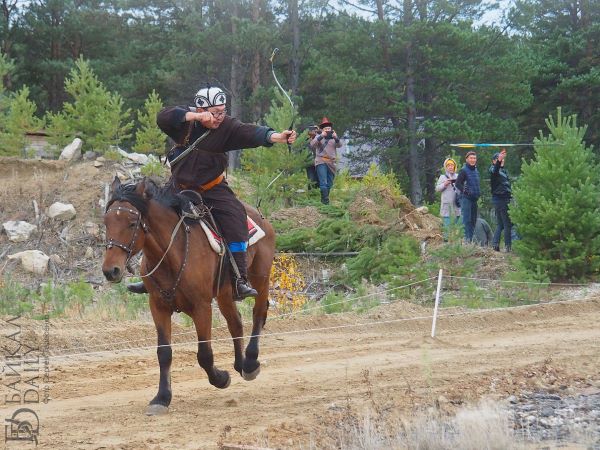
column 398, row 258
column 153, row 168
column 19, row 119
column 149, row 138
column 334, row 302
column 96, row 115
column 15, row 299
column 557, row 209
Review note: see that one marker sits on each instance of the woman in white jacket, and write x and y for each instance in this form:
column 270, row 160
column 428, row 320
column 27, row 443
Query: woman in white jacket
column 449, row 210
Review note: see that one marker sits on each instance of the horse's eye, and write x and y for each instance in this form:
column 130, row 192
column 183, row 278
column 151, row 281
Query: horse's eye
column 132, row 225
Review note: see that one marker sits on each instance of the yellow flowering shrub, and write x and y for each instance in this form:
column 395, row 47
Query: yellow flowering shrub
column 287, row 284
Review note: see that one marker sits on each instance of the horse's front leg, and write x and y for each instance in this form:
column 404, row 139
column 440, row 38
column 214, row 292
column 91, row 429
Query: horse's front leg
column 162, row 320
column 202, row 316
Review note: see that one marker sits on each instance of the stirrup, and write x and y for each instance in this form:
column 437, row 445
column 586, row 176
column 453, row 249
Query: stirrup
column 137, row 288
column 242, row 289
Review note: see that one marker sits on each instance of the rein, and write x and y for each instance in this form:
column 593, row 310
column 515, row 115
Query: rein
column 167, row 294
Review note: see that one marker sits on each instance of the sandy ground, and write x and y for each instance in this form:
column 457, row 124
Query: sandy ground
column 98, row 401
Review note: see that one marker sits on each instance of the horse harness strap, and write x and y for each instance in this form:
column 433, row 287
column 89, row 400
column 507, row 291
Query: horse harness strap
column 168, row 295
column 126, row 248
column 186, row 142
column 173, row 235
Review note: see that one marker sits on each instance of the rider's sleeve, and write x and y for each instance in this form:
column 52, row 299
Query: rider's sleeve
column 247, row 135
column 171, row 120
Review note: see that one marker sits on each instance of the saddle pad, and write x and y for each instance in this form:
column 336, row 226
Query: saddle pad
column 255, row 234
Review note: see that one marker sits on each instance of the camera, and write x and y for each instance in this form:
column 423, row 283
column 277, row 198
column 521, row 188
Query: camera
column 330, row 134
column 452, row 181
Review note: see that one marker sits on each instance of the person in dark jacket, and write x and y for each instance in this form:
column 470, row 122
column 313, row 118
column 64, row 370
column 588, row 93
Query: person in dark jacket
column 467, row 183
column 501, row 195
column 202, row 169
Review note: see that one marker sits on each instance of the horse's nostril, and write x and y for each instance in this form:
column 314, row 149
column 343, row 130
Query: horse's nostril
column 112, row 274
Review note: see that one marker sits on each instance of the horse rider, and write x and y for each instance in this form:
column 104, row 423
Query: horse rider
column 202, row 168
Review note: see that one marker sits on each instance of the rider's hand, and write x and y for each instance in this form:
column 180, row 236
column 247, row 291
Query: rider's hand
column 285, row 137
column 207, row 120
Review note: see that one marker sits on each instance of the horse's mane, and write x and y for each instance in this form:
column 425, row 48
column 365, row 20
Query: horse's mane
column 164, row 195
column 127, row 193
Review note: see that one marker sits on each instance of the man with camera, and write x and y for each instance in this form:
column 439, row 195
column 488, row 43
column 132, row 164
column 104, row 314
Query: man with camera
column 501, row 195
column 325, row 143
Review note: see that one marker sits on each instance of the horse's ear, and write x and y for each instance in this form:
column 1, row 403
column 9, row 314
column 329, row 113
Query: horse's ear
column 115, row 184
column 145, row 188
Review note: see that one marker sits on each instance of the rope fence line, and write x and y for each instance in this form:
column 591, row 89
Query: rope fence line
column 522, row 282
column 280, row 316
column 318, row 329
column 303, row 311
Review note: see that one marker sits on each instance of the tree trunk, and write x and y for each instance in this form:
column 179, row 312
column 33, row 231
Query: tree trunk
column 383, row 37
column 432, row 162
column 6, row 40
column 414, row 170
column 235, row 87
column 295, row 60
column 255, row 70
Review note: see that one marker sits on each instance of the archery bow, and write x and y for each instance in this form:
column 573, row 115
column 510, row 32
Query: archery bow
column 275, row 51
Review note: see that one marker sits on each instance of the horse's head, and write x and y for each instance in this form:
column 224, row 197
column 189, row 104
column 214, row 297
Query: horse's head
column 125, row 227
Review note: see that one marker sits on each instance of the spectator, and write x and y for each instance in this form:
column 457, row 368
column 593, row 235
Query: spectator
column 325, row 144
column 467, row 183
column 501, row 195
column 449, row 209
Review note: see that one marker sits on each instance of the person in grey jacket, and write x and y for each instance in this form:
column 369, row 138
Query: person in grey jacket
column 449, row 210
column 325, row 143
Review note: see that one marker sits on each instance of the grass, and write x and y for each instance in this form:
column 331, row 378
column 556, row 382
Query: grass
column 75, row 299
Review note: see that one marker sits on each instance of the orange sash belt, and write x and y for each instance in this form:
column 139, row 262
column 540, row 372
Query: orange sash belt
column 204, row 187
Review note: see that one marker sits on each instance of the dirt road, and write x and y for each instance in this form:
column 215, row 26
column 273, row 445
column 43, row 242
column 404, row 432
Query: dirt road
column 99, row 402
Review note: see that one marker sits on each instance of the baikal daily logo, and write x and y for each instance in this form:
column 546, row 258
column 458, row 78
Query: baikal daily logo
column 25, row 379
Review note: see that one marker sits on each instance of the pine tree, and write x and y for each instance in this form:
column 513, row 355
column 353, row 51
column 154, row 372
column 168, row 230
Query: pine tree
column 6, row 67
column 276, row 164
column 96, row 115
column 557, row 209
column 19, row 119
column 149, row 138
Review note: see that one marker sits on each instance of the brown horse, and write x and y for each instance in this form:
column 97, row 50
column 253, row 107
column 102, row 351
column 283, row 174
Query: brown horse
column 185, row 270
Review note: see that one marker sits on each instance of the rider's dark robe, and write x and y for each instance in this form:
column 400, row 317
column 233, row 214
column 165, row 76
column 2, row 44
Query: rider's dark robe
column 209, row 161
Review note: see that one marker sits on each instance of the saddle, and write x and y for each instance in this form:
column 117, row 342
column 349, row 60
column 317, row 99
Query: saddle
column 200, row 213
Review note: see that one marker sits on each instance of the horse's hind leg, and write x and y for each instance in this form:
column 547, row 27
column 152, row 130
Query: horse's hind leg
column 234, row 323
column 162, row 320
column 202, row 319
column 259, row 317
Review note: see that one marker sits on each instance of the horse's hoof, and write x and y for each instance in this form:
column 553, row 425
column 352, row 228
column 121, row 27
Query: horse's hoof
column 249, row 376
column 224, row 381
column 156, row 410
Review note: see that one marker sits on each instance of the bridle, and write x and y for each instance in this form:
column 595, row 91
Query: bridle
column 110, row 243
column 167, row 294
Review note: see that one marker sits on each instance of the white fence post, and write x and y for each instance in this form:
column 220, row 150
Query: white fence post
column 437, row 303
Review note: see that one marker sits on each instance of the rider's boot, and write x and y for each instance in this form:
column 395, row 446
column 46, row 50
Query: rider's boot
column 241, row 285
